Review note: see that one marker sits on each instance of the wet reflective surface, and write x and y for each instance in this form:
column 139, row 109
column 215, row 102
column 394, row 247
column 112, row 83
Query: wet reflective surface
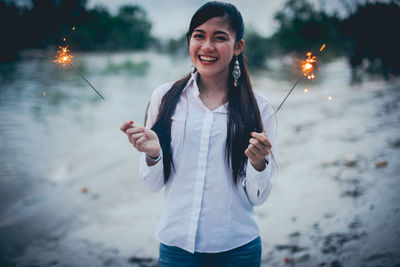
column 70, row 196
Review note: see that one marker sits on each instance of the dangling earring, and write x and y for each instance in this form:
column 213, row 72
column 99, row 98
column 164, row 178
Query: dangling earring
column 236, row 73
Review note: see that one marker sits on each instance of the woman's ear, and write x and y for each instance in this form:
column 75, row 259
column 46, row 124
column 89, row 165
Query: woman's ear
column 239, row 47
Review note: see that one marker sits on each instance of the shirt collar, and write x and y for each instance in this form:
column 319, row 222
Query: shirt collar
column 192, row 86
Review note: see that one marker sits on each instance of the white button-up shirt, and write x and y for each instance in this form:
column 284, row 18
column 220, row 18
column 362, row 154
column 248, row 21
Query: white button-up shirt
column 204, row 210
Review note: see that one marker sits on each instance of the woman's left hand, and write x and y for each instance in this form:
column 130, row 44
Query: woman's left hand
column 258, row 148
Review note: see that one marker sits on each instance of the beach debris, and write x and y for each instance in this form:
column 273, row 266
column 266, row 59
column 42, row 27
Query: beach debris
column 330, row 163
column 356, row 192
column 84, row 190
column 291, row 248
column 294, row 235
column 350, row 162
column 297, row 259
column 287, row 260
column 334, row 242
column 356, row 223
column 381, row 164
column 143, row 261
column 396, row 143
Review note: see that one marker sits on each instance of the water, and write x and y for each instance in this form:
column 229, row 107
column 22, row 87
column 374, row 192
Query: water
column 70, row 196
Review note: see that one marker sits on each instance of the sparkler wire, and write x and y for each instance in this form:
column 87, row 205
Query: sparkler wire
column 297, row 81
column 294, row 85
column 83, row 77
column 116, row 112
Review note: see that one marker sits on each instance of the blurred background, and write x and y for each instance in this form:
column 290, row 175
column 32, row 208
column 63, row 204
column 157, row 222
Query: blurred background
column 69, row 191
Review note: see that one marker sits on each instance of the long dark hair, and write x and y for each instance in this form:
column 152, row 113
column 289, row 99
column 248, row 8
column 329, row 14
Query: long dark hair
column 243, row 112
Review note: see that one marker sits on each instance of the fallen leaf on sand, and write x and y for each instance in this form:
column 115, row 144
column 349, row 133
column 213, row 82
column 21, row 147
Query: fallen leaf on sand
column 381, row 164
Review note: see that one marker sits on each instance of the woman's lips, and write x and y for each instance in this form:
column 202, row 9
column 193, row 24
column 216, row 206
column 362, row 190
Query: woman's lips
column 207, row 60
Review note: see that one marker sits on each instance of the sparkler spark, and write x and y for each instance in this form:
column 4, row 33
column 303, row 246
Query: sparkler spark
column 308, row 71
column 64, row 56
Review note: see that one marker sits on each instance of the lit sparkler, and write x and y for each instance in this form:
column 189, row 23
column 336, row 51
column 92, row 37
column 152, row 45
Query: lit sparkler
column 64, row 57
column 308, row 71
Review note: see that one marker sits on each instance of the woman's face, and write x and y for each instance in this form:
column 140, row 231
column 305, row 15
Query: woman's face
column 212, row 46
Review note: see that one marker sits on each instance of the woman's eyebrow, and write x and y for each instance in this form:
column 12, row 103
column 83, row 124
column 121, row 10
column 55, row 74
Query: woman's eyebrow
column 216, row 32
column 221, row 32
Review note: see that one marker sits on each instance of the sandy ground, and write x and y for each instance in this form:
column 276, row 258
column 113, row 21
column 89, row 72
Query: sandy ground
column 335, row 200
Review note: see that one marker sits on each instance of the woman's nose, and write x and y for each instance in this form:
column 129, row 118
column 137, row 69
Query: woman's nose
column 208, row 45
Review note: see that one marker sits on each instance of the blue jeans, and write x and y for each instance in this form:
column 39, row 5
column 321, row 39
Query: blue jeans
column 248, row 255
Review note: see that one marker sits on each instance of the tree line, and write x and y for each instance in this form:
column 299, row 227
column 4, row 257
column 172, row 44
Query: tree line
column 367, row 36
column 45, row 23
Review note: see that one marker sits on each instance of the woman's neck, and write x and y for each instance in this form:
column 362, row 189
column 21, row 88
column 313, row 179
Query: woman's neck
column 212, row 86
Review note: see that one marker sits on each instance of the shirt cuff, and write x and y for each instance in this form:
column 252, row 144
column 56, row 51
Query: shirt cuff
column 260, row 178
column 146, row 169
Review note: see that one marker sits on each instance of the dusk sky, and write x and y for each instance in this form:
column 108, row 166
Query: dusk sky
column 171, row 18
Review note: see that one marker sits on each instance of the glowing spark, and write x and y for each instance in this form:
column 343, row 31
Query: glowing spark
column 64, row 39
column 64, row 55
column 329, row 98
column 322, row 48
column 308, row 66
column 308, row 71
column 44, row 93
column 73, row 28
column 305, row 90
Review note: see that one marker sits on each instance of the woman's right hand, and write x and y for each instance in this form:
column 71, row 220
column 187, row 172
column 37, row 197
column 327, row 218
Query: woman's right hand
column 142, row 138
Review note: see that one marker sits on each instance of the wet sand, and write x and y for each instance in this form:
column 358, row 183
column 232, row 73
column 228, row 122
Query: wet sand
column 335, row 200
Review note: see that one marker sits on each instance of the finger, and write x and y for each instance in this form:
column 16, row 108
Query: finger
column 126, row 125
column 262, row 137
column 262, row 147
column 135, row 130
column 134, row 137
column 258, row 153
column 139, row 143
column 250, row 154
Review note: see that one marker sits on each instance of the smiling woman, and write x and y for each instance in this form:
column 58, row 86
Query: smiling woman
column 212, row 47
column 208, row 140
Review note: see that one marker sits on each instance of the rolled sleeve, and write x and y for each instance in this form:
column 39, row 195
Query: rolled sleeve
column 153, row 176
column 258, row 184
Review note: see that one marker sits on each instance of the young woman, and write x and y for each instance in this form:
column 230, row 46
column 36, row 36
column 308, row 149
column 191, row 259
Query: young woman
column 208, row 140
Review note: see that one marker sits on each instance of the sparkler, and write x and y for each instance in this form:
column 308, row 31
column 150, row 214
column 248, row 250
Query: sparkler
column 64, row 57
column 308, row 71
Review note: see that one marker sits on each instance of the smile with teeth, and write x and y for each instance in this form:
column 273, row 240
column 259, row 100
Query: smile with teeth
column 208, row 58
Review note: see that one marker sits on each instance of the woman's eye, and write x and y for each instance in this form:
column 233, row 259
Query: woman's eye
column 197, row 36
column 221, row 38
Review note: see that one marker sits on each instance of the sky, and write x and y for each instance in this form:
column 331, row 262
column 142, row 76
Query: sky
column 171, row 18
